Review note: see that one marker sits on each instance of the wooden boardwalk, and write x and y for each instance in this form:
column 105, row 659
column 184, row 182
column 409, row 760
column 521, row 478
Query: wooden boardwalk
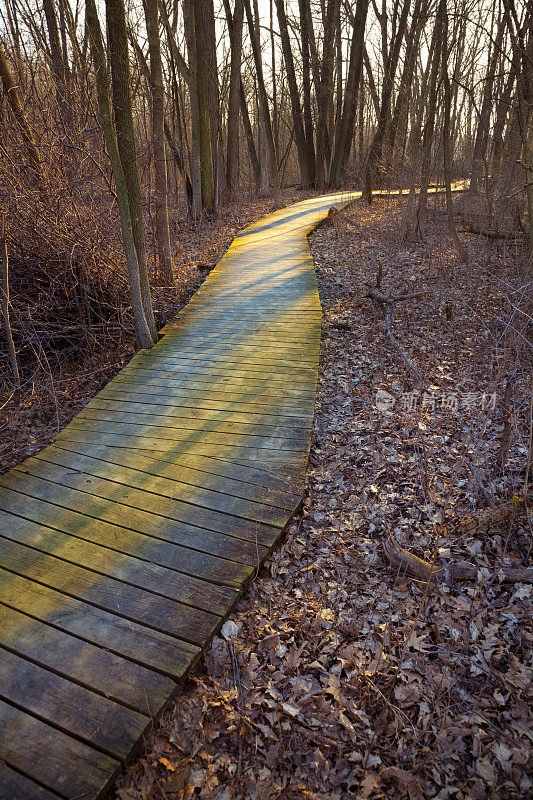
column 125, row 543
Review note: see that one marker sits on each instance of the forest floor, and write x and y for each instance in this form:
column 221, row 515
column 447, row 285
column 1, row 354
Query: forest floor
column 337, row 676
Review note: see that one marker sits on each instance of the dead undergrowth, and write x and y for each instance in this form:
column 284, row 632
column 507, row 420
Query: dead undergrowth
column 338, row 676
column 71, row 320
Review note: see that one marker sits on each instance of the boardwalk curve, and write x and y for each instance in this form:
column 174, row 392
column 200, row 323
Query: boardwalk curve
column 126, row 542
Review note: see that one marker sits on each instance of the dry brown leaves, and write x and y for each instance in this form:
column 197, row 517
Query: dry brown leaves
column 337, row 678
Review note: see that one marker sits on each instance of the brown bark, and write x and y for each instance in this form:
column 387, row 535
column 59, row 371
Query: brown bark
column 4, row 306
column 205, row 137
column 142, row 328
column 151, row 12
column 232, row 157
column 263, row 103
column 59, row 70
column 26, row 132
column 190, row 37
column 521, row 37
column 375, row 155
column 345, row 126
column 483, row 126
column 305, row 17
column 296, row 108
column 325, row 91
column 446, row 137
column 122, row 108
column 429, row 127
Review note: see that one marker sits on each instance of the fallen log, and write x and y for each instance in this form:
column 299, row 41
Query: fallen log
column 451, row 573
column 489, row 233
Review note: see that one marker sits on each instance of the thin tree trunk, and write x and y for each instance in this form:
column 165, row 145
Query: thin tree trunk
column 325, row 91
column 190, row 37
column 345, row 129
column 4, row 306
column 375, row 155
column 247, row 125
column 120, row 77
column 446, row 138
column 305, row 17
column 429, row 128
column 142, row 327
column 483, row 127
column 235, row 32
column 151, row 12
column 11, row 92
column 203, row 60
column 58, row 65
column 299, row 135
column 263, row 104
column 399, row 117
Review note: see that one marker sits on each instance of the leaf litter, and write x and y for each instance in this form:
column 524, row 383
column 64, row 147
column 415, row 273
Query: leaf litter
column 339, row 676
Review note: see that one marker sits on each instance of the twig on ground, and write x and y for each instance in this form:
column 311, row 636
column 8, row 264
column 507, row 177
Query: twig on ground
column 386, row 304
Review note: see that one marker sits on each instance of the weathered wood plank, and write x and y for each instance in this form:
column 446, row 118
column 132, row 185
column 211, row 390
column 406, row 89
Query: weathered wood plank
column 94, row 555
column 167, row 543
column 171, row 478
column 253, row 442
column 280, row 464
column 122, row 599
column 78, row 712
column 254, row 475
column 161, row 652
column 14, row 786
column 45, row 754
column 251, row 386
column 213, row 400
column 141, row 404
column 88, row 665
column 124, row 544
column 286, row 373
column 158, row 418
column 140, row 490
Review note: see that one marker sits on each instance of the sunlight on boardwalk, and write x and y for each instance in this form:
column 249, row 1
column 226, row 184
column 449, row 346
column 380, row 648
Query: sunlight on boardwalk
column 126, row 542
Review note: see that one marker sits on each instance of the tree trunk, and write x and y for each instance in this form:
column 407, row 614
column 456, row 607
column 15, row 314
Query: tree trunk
column 522, row 48
column 196, row 171
column 446, row 138
column 299, row 135
column 4, row 306
column 345, row 129
column 203, row 99
column 429, row 127
column 399, row 117
column 11, row 92
column 142, row 328
column 58, row 65
column 375, row 155
column 235, row 32
column 325, row 91
column 151, row 12
column 120, row 77
column 263, row 104
column 483, row 126
column 305, row 16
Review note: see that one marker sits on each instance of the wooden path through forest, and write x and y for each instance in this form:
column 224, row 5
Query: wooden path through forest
column 126, row 542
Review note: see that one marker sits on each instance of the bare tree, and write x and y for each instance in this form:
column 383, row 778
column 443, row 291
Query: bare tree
column 151, row 12
column 26, row 132
column 123, row 116
column 263, row 103
column 142, row 327
column 235, row 24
